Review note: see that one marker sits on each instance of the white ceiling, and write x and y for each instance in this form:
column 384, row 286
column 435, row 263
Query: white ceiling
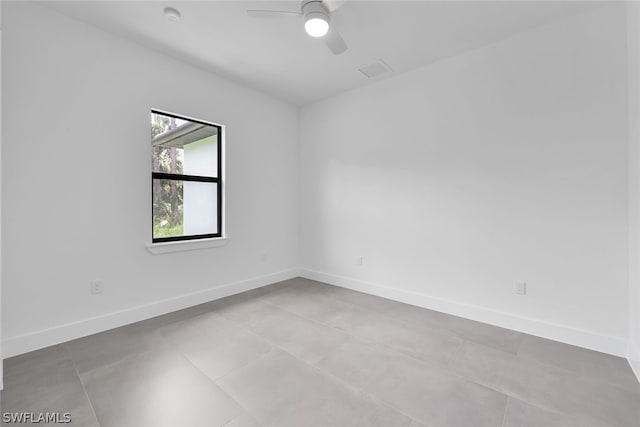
column 277, row 57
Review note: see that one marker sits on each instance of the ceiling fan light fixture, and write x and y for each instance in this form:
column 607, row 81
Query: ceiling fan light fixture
column 316, row 24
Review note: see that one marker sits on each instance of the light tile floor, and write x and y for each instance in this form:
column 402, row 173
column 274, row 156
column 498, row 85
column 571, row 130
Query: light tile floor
column 302, row 353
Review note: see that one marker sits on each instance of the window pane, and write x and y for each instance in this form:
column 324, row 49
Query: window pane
column 168, row 208
column 184, row 208
column 201, row 157
column 182, row 146
column 168, row 160
column 200, row 208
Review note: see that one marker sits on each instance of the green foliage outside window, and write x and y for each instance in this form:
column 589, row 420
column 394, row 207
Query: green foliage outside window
column 167, row 194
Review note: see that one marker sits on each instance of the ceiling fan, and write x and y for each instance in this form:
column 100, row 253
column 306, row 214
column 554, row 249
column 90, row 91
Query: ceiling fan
column 316, row 14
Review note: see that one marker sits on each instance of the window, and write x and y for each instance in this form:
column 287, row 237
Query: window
column 186, row 178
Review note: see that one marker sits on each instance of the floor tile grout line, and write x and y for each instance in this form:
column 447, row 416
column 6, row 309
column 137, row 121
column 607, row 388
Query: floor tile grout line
column 504, row 415
column 84, row 389
column 333, row 379
column 119, row 360
column 170, row 348
column 314, row 366
column 340, row 383
column 259, row 298
column 445, row 365
column 359, row 339
column 517, row 352
column 352, row 336
column 547, row 408
column 235, row 418
column 231, row 323
column 577, row 374
column 220, row 386
column 337, row 381
column 276, row 346
column 355, row 337
column 382, row 312
column 383, row 403
column 510, row 395
column 212, row 380
column 386, row 313
column 365, row 342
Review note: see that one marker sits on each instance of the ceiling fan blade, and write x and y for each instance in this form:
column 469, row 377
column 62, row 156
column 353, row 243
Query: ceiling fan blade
column 335, row 42
column 272, row 14
column 333, row 5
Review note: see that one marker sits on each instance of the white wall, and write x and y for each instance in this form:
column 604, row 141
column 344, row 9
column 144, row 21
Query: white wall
column 633, row 31
column 76, row 177
column 457, row 180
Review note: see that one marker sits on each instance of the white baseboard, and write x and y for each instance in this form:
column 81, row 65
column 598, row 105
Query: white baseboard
column 633, row 356
column 613, row 345
column 557, row 332
column 24, row 343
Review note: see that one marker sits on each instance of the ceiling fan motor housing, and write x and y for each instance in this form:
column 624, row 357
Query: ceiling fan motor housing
column 315, row 9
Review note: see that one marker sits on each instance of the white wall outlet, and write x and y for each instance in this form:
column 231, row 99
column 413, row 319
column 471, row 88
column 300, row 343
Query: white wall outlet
column 95, row 287
column 521, row 288
column 264, row 257
column 360, row 261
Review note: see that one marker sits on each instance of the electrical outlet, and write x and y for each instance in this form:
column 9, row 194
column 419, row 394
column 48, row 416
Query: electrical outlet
column 95, row 287
column 360, row 261
column 264, row 257
column 521, row 288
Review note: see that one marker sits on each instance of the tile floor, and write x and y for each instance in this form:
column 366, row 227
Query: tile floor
column 302, row 353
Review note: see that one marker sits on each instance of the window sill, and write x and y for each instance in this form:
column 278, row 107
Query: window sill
column 186, row 245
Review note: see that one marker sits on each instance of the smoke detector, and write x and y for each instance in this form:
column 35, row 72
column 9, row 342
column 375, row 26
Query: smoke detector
column 172, row 15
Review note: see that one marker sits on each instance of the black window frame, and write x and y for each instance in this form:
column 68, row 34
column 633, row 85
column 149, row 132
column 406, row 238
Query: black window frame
column 194, row 178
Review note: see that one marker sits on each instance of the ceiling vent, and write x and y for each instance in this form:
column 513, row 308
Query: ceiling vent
column 375, row 69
